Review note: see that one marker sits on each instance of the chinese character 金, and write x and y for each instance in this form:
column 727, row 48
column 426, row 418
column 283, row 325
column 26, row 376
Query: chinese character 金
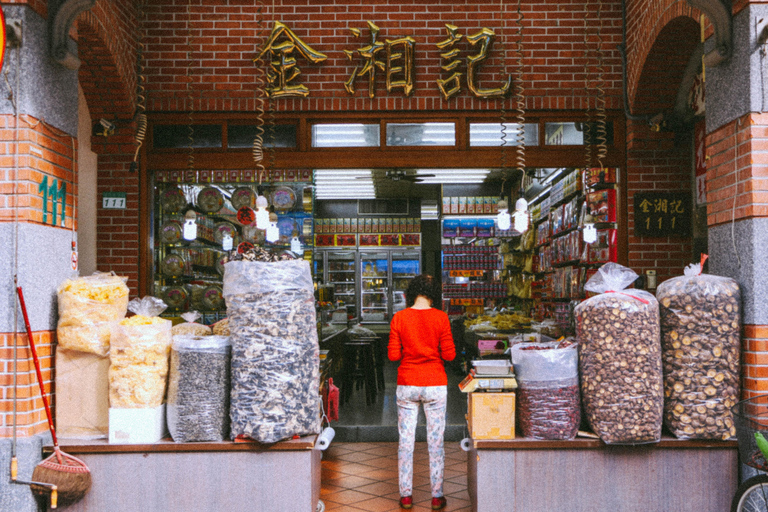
column 645, row 205
column 283, row 64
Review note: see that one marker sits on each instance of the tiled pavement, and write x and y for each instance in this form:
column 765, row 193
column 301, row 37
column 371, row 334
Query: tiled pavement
column 363, row 477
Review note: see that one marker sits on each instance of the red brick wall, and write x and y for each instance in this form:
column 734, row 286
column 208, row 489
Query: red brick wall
column 655, row 162
column 222, row 41
column 31, row 418
column 736, row 170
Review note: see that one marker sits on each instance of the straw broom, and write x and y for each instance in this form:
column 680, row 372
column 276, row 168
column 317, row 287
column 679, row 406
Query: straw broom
column 69, row 474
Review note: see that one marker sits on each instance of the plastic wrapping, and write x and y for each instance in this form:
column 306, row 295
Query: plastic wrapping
column 548, row 405
column 87, row 307
column 189, row 327
column 275, row 352
column 620, row 359
column 700, row 336
column 138, row 356
column 198, row 388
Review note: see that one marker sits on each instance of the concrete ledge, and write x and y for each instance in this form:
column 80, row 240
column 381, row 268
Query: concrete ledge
column 587, row 475
column 236, row 477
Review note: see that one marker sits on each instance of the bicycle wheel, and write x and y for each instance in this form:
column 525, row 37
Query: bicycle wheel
column 752, row 495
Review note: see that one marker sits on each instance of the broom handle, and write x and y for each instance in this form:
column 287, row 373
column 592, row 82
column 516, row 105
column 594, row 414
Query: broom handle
column 37, row 365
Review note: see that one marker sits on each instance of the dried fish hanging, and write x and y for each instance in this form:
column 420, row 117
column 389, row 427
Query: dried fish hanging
column 275, row 370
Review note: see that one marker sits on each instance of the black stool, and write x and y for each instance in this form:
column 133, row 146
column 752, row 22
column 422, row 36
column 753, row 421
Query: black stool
column 379, row 356
column 358, row 369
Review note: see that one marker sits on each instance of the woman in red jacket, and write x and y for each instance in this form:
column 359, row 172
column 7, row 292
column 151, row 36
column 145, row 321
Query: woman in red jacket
column 420, row 338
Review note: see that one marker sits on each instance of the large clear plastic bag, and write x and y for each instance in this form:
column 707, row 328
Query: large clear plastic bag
column 275, row 351
column 198, row 388
column 138, row 357
column 548, row 405
column 701, row 344
column 87, row 307
column 620, row 359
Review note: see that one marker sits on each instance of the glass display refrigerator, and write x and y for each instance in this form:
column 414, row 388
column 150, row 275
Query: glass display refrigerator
column 370, row 284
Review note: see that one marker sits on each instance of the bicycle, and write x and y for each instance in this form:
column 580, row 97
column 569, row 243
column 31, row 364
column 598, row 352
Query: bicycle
column 751, row 416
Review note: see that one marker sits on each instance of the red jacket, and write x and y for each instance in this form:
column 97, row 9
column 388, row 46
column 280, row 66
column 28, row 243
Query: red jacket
column 422, row 339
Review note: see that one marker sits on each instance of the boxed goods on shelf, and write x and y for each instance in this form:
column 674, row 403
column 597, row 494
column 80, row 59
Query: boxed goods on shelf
column 491, row 415
column 701, row 344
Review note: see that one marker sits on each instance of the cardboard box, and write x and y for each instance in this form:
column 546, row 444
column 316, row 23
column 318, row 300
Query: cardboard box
column 137, row 426
column 491, row 415
column 82, row 395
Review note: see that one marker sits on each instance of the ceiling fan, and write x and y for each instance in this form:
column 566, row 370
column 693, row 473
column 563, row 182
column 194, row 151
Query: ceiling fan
column 400, row 175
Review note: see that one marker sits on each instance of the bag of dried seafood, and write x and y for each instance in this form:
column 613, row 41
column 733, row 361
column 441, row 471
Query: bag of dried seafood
column 189, row 327
column 138, row 357
column 198, row 388
column 275, row 352
column 701, row 345
column 87, row 307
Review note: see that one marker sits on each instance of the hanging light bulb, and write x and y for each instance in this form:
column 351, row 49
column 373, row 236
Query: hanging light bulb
column 262, row 215
column 190, row 226
column 589, row 233
column 296, row 246
column 226, row 242
column 521, row 215
column 503, row 221
column 273, row 232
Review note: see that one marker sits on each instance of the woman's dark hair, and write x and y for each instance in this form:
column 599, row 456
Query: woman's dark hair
column 425, row 285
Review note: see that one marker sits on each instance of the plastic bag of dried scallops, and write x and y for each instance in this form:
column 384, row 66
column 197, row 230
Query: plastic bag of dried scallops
column 138, row 369
column 87, row 307
column 620, row 358
column 700, row 338
column 275, row 352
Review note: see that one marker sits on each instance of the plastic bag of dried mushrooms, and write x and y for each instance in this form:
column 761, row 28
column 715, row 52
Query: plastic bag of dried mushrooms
column 700, row 336
column 620, row 358
column 275, row 352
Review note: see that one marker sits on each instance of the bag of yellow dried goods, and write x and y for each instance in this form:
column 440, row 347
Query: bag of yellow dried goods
column 189, row 327
column 87, row 307
column 138, row 357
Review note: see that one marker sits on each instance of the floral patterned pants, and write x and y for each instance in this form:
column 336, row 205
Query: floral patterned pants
column 434, row 400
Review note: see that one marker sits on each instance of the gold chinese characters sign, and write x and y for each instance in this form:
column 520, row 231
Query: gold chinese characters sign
column 392, row 58
column 661, row 214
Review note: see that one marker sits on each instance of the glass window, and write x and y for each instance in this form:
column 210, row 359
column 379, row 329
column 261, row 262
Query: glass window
column 576, row 134
column 345, row 135
column 421, row 134
column 490, row 134
column 278, row 136
column 167, row 136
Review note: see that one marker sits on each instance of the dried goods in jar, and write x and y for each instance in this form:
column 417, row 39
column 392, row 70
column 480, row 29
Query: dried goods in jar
column 701, row 343
column 620, row 359
column 198, row 388
column 275, row 352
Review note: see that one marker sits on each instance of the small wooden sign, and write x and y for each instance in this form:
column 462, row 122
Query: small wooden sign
column 663, row 214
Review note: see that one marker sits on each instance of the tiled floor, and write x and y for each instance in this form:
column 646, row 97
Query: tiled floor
column 363, row 477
